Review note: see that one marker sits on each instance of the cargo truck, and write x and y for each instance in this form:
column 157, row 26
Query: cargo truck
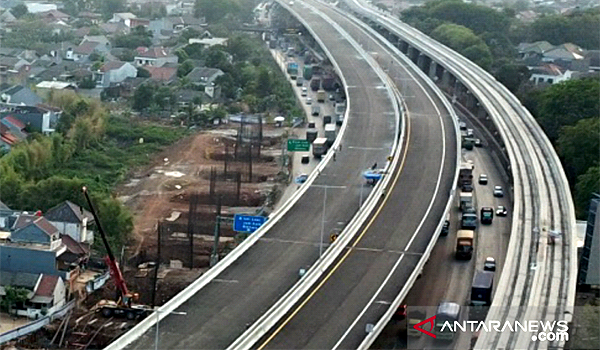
column 469, row 221
column 308, row 72
column 292, row 69
column 326, row 119
column 315, row 84
column 315, row 110
column 446, row 312
column 464, row 244
column 311, row 135
column 319, row 147
column 466, row 200
column 340, row 108
column 299, row 81
column 465, row 174
column 330, row 134
column 487, row 215
column 321, row 95
column 481, row 290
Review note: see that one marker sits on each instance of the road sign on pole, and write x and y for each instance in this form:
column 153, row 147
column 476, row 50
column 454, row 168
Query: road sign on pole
column 294, row 145
column 248, row 223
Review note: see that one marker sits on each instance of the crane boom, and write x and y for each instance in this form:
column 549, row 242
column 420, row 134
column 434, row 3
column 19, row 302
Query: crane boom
column 115, row 271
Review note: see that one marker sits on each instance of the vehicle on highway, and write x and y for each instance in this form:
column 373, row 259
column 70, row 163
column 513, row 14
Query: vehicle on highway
column 414, row 317
column 478, row 143
column 469, row 210
column 315, row 110
column 446, row 312
column 467, row 188
column 308, row 101
column 291, row 3
column 483, row 179
column 498, row 192
column 464, row 244
column 487, row 215
column 481, row 289
column 321, row 96
column 300, row 179
column 468, row 221
column 501, row 211
column 462, row 125
column 466, row 200
column 339, row 119
column 400, row 313
column 465, row 174
column 319, row 147
column 330, row 134
column 489, row 264
column 304, row 91
column 446, row 226
column 331, row 97
column 299, row 81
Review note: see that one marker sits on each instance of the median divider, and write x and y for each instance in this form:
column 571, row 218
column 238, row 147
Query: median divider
column 259, row 328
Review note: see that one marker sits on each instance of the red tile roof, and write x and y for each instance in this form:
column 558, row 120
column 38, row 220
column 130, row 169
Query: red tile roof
column 153, row 52
column 162, row 73
column 73, row 246
column 112, row 65
column 46, row 286
column 16, row 122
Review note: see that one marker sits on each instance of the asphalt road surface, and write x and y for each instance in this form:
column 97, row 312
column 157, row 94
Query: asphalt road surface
column 335, row 313
column 219, row 312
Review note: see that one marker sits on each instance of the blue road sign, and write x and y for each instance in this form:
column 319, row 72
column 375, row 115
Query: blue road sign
column 247, row 223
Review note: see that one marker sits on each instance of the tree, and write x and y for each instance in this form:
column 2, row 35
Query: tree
column 215, row 11
column 512, row 75
column 240, row 48
column 567, row 102
column 13, row 296
column 587, row 184
column 87, row 83
column 116, row 220
column 185, row 68
column 108, row 7
column 143, row 97
column 579, row 146
column 143, row 73
column 19, row 11
column 581, row 28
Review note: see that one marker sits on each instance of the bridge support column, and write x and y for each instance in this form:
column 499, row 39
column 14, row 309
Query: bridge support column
column 446, row 79
column 471, row 102
column 432, row 71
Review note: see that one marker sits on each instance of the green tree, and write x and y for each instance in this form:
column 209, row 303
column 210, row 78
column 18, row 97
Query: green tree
column 579, row 146
column 143, row 97
column 215, row 11
column 581, row 28
column 185, row 68
column 13, row 296
column 586, row 185
column 108, row 7
column 19, row 11
column 511, row 75
column 143, row 73
column 116, row 220
column 47, row 193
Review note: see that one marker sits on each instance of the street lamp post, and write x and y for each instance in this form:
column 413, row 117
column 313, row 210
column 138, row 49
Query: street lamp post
column 158, row 320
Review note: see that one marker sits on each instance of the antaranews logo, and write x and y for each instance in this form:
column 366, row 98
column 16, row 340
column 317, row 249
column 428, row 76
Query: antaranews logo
column 429, row 320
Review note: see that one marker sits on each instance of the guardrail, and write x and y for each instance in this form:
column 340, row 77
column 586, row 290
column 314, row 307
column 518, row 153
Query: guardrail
column 35, row 325
column 287, row 301
column 539, row 207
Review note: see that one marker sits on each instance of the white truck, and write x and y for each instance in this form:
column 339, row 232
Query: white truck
column 466, row 200
column 319, row 147
column 330, row 133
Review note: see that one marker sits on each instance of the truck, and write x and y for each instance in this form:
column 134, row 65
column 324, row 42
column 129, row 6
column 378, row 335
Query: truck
column 464, row 244
column 321, row 96
column 487, row 215
column 315, row 84
column 292, row 69
column 466, row 200
column 326, row 119
column 340, row 108
column 311, row 135
column 465, row 174
column 299, row 81
column 315, row 110
column 307, row 72
column 319, row 147
column 469, row 221
column 481, row 289
column 446, row 312
column 330, row 134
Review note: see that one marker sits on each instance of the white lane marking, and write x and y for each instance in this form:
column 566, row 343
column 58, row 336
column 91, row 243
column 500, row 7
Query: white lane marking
column 437, row 187
column 367, row 148
column 225, row 281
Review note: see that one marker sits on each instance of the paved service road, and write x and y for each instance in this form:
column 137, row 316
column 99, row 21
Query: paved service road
column 219, row 312
column 333, row 315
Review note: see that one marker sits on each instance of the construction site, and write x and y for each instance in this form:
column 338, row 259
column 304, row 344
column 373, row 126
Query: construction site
column 183, row 205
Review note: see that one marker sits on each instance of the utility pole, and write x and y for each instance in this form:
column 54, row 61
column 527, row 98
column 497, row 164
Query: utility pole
column 214, row 258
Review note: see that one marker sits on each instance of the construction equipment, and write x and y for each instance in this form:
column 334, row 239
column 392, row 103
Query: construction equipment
column 124, row 306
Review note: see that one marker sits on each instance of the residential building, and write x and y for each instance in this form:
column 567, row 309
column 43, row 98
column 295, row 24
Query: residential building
column 93, row 18
column 72, row 220
column 203, row 76
column 47, row 293
column 15, row 126
column 20, row 95
column 121, row 17
column 549, row 74
column 533, row 49
column 7, row 141
column 136, row 22
column 563, row 55
column 44, row 87
column 85, row 49
column 154, row 56
column 54, row 16
column 589, row 260
column 40, row 6
column 208, row 42
column 114, row 28
column 114, row 72
column 162, row 74
column 101, row 39
column 13, row 70
column 40, row 118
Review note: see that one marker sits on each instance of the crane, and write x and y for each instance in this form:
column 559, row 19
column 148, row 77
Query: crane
column 123, row 306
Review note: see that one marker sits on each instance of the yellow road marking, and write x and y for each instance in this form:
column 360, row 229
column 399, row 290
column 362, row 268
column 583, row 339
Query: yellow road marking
column 358, row 239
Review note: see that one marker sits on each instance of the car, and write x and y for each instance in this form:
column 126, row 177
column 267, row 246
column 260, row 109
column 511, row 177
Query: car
column 462, row 125
column 501, row 211
column 400, row 313
column 498, row 192
column 467, row 188
column 308, row 101
column 489, row 264
column 469, row 132
column 445, row 228
column 300, row 179
column 469, row 210
column 483, row 179
column 478, row 143
column 304, row 92
column 331, row 97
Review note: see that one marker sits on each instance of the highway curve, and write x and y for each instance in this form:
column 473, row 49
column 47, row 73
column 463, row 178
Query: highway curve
column 218, row 313
column 335, row 313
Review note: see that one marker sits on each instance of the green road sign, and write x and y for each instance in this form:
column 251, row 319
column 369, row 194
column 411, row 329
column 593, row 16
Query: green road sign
column 294, row 145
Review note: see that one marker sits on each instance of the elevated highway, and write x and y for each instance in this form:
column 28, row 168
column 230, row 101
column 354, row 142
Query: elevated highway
column 538, row 277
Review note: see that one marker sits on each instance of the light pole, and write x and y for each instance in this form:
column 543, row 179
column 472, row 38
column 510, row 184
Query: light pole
column 323, row 213
column 158, row 320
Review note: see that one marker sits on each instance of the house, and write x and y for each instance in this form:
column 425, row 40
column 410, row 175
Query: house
column 101, row 39
column 39, row 6
column 121, row 17
column 15, row 126
column 203, row 76
column 563, row 55
column 208, row 42
column 162, row 74
column 35, row 118
column 47, row 293
column 20, row 95
column 84, row 50
column 114, row 72
column 91, row 17
column 534, row 49
column 549, row 74
column 44, row 87
column 13, row 70
column 136, row 22
column 114, row 28
column 154, row 56
column 72, row 220
column 7, row 141
column 7, row 17
column 54, row 16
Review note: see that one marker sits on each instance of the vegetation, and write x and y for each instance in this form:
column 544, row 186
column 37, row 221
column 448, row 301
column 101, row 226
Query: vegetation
column 92, row 149
column 13, row 296
column 139, row 36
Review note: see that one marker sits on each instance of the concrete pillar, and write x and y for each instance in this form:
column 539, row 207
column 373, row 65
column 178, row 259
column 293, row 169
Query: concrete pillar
column 432, row 71
column 446, row 79
column 470, row 102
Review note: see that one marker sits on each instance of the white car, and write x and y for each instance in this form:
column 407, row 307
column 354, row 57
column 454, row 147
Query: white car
column 498, row 192
column 309, row 101
column 483, row 179
column 304, row 92
column 489, row 264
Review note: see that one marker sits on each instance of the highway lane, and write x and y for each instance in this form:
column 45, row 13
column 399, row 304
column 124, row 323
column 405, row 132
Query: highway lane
column 415, row 204
column 219, row 312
